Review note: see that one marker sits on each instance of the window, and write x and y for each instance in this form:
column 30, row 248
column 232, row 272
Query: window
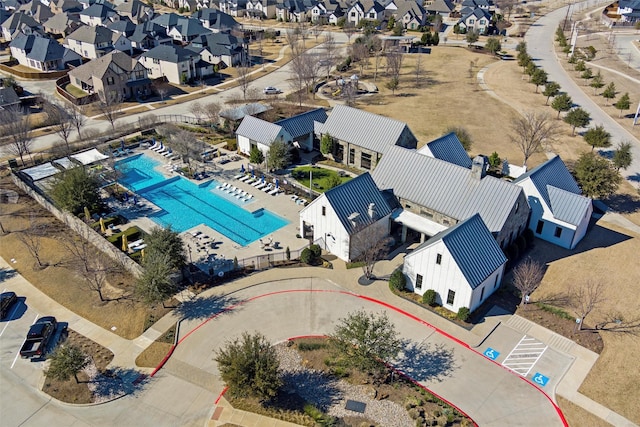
column 353, row 14
column 451, row 296
column 110, row 80
column 472, row 21
column 539, row 227
column 372, row 15
column 352, row 155
column 439, row 259
column 365, row 161
column 495, row 285
column 418, row 281
column 481, row 294
column 558, row 232
column 324, row 211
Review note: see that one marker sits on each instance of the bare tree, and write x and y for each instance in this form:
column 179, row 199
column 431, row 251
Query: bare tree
column 298, row 79
column 110, row 107
column 419, row 70
column 369, row 244
column 616, row 322
column 244, row 79
column 96, row 276
column 316, row 31
column 186, row 145
column 531, row 131
column 360, row 54
column 78, row 117
column 212, row 112
column 162, row 90
column 60, row 122
column 31, row 238
column 303, row 30
column 349, row 93
column 394, row 66
column 18, row 129
column 197, row 110
column 584, row 298
column 377, row 49
column 147, row 121
column 349, row 29
column 329, row 52
column 526, row 278
column 292, row 36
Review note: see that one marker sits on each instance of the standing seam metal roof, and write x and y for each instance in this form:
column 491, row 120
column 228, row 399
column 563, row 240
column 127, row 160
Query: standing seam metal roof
column 473, row 248
column 567, row 206
column 445, row 187
column 364, row 129
column 355, row 196
column 302, row 124
column 258, row 130
column 449, row 148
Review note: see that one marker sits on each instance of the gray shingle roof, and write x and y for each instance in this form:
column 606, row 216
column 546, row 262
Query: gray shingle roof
column 449, row 148
column 98, row 11
column 355, row 196
column 170, row 53
column 568, row 207
column 93, row 35
column 553, row 172
column 367, row 130
column 302, row 124
column 258, row 130
column 445, row 187
column 45, row 50
column 61, row 22
column 98, row 67
column 216, row 19
column 441, row 6
column 473, row 248
column 8, row 96
column 18, row 19
column 22, row 42
column 190, row 27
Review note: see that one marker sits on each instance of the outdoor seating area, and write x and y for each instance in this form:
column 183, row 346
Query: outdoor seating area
column 235, row 192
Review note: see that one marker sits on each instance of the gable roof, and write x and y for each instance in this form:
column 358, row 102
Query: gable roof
column 190, row 27
column 166, row 19
column 441, row 6
column 98, row 67
column 473, row 248
column 302, row 124
column 8, row 97
column 45, row 49
column 61, row 22
column 448, row 148
column 92, row 35
column 22, row 42
column 122, row 26
column 18, row 19
column 559, row 190
column 170, row 53
column 97, row 10
column 216, row 18
column 367, row 130
column 258, row 130
column 410, row 7
column 355, row 196
column 478, row 14
column 446, row 187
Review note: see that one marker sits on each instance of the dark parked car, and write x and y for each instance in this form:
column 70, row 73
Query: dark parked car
column 7, row 300
column 38, row 337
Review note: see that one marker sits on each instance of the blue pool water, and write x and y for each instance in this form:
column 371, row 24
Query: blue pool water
column 185, row 204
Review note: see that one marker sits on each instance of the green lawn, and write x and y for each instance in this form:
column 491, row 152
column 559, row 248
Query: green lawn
column 322, row 178
column 75, row 91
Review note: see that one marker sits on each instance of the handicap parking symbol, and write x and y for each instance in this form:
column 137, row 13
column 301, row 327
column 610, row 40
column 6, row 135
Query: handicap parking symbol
column 491, row 353
column 540, row 379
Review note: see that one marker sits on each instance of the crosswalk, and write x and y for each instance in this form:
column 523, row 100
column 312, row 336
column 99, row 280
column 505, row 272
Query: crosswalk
column 524, row 355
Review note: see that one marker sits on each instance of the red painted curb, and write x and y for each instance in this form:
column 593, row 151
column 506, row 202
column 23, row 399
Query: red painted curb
column 224, row 390
column 164, row 360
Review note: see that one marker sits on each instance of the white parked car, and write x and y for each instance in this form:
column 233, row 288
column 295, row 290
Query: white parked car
column 270, row 90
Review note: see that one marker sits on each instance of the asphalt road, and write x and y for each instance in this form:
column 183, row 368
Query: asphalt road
column 539, row 40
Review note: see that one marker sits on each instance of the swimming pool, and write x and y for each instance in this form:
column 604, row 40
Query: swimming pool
column 184, row 204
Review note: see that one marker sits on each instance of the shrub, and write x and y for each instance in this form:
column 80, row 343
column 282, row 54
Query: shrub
column 316, row 250
column 463, row 314
column 397, row 280
column 429, row 297
column 287, row 253
column 306, row 256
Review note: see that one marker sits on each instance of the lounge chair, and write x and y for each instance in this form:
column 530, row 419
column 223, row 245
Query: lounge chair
column 274, row 191
column 244, row 178
column 168, row 153
column 268, row 188
column 258, row 182
column 155, row 145
column 159, row 147
column 260, row 186
column 251, row 180
column 240, row 175
column 163, row 150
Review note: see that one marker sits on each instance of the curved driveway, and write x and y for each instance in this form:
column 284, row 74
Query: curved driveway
column 539, row 40
column 487, row 392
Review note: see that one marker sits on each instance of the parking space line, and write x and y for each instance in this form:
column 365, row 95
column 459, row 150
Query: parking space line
column 15, row 359
column 524, row 355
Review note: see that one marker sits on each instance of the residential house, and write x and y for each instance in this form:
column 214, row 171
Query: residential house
column 98, row 14
column 257, row 133
column 365, row 9
column 167, row 20
column 301, row 127
column 464, row 265
column 220, row 49
column 478, row 20
column 41, row 53
column 137, row 11
column 177, row 64
column 294, row 10
column 38, row 11
column 216, row 21
column 62, row 24
column 560, row 214
column 72, row 7
column 20, row 23
column 448, row 148
column 482, row 4
column 261, row 9
column 348, row 219
column 88, row 3
column 122, row 26
column 435, row 194
column 8, row 98
column 187, row 29
column 336, row 15
column 629, row 10
column 114, row 75
column 91, row 42
column 441, row 7
column 235, row 8
column 412, row 15
column 361, row 138
column 149, row 35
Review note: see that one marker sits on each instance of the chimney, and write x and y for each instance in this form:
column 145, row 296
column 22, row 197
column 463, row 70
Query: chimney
column 477, row 168
column 372, row 210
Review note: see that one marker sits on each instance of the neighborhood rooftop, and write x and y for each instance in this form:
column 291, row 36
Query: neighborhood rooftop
column 448, row 148
column 445, row 187
column 302, row 124
column 258, row 130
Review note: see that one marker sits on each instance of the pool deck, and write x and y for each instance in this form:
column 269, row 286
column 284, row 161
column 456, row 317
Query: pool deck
column 209, row 249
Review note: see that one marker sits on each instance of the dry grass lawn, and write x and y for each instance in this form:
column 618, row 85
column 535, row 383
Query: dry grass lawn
column 576, row 416
column 60, row 279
